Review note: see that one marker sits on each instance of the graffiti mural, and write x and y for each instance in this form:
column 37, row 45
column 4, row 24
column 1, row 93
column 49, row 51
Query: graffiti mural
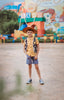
column 53, row 11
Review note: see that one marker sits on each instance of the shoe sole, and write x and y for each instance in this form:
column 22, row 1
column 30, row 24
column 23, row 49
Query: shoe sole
column 42, row 84
column 29, row 83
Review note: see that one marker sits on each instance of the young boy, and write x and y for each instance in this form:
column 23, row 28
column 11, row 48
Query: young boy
column 31, row 49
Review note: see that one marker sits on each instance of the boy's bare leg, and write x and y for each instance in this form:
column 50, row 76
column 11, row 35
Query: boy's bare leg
column 38, row 71
column 30, row 70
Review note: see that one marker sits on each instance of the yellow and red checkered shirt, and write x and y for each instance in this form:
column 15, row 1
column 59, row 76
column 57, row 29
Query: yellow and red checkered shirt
column 30, row 50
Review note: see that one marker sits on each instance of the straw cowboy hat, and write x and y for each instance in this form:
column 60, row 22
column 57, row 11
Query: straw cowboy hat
column 29, row 28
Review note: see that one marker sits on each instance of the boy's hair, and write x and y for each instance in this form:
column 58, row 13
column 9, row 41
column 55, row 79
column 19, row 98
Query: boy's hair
column 29, row 30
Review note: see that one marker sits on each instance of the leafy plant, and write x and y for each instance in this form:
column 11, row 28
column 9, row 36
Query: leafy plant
column 8, row 22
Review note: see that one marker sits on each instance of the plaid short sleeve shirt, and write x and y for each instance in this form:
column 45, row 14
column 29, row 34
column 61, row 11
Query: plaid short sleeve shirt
column 30, row 50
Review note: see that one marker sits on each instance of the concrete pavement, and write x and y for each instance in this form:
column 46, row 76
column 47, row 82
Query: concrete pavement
column 51, row 64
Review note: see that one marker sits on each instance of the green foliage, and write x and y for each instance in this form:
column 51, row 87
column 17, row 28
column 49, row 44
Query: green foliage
column 47, row 41
column 49, row 32
column 17, row 90
column 2, row 85
column 8, row 22
column 18, row 80
column 10, row 41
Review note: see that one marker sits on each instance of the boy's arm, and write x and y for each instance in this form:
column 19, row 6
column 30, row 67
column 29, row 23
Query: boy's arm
column 36, row 56
column 37, row 49
column 37, row 42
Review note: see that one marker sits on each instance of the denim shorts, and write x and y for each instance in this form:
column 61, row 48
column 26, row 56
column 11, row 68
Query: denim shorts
column 31, row 60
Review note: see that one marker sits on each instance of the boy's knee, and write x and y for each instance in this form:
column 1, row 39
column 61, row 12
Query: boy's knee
column 36, row 66
column 30, row 66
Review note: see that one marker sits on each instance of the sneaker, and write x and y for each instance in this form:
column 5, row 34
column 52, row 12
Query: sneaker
column 41, row 82
column 29, row 81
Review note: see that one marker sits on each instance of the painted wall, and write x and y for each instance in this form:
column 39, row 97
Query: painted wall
column 52, row 10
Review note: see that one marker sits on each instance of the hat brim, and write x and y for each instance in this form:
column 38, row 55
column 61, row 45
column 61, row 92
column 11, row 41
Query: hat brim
column 28, row 28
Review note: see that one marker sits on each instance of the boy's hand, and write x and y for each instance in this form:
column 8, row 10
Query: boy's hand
column 36, row 57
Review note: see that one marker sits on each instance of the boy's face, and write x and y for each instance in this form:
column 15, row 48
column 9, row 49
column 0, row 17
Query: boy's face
column 30, row 33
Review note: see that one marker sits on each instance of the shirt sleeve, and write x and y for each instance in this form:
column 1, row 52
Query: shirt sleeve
column 37, row 42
